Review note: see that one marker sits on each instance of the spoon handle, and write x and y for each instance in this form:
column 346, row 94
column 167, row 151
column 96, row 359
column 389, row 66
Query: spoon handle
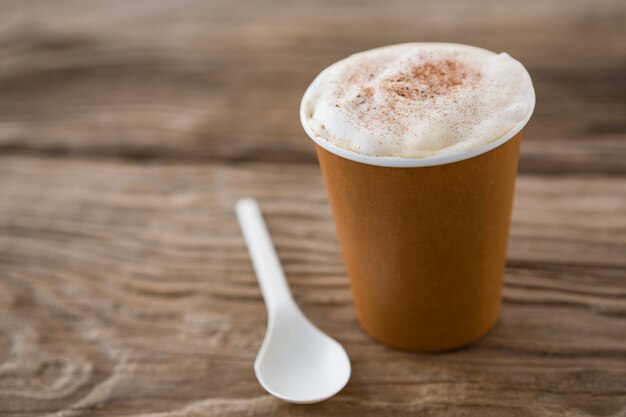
column 269, row 273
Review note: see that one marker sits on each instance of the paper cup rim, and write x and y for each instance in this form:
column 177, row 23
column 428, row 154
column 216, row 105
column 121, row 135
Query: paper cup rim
column 400, row 162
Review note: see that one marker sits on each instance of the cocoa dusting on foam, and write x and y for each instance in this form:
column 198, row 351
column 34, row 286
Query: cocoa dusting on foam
column 424, row 81
column 429, row 79
column 417, row 100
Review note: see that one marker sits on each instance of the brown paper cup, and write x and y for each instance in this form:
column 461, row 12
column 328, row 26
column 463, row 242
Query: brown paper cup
column 424, row 247
column 424, row 239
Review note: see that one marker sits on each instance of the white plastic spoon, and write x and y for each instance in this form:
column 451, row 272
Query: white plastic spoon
column 297, row 362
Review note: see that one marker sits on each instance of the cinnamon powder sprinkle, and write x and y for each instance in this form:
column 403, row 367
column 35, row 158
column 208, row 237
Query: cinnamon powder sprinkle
column 429, row 79
column 422, row 81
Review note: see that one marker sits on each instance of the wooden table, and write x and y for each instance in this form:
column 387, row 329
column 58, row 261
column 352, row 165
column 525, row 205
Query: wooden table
column 129, row 129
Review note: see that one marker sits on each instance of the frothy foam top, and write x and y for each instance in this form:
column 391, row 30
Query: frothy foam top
column 419, row 99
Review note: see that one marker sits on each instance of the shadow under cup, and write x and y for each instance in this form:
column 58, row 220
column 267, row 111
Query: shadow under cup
column 425, row 247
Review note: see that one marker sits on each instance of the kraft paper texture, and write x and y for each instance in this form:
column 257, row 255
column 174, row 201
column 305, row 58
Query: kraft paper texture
column 425, row 247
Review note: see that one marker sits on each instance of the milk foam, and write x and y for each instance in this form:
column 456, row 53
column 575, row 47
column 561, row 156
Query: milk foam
column 419, row 99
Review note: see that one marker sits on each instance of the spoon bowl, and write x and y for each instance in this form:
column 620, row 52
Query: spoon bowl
column 298, row 362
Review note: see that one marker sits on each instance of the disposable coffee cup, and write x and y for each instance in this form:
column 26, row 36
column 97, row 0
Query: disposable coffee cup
column 424, row 240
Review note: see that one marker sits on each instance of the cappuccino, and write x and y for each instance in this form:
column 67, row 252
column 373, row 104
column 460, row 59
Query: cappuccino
column 418, row 100
column 418, row 145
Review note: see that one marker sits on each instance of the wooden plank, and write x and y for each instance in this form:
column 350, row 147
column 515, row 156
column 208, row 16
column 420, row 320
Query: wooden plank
column 126, row 289
column 200, row 80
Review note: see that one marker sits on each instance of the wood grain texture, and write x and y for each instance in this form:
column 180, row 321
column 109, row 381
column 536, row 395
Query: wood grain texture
column 215, row 80
column 126, row 289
